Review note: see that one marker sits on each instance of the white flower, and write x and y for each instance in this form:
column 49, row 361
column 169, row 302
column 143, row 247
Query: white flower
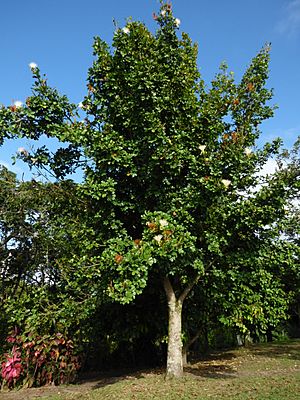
column 158, row 238
column 80, row 105
column 33, row 66
column 177, row 22
column 18, row 103
column 247, row 151
column 22, row 151
column 163, row 222
column 126, row 30
column 163, row 13
column 226, row 182
column 202, row 148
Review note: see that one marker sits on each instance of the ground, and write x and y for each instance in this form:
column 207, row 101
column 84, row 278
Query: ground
column 262, row 372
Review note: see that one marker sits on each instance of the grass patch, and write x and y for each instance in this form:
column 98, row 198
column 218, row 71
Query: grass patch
column 264, row 372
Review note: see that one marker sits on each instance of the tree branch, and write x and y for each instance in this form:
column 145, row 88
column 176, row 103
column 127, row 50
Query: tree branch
column 193, row 340
column 188, row 289
column 192, row 284
column 169, row 289
column 6, row 240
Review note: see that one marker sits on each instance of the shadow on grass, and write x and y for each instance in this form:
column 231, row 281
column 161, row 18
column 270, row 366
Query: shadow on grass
column 102, row 379
column 288, row 350
column 215, row 366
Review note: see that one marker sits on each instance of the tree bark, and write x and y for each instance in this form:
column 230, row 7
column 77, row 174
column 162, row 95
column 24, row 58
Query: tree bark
column 174, row 358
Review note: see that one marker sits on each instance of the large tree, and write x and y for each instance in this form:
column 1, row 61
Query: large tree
column 169, row 164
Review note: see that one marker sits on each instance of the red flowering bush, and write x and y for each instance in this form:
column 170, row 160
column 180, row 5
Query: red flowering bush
column 38, row 360
column 12, row 368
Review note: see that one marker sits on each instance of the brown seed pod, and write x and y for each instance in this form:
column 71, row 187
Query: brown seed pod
column 151, row 225
column 234, row 136
column 118, row 258
column 250, row 86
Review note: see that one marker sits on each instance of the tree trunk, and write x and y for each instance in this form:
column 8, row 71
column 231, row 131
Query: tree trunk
column 174, row 358
column 185, row 348
column 239, row 339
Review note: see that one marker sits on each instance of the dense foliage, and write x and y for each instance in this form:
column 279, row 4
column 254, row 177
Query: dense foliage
column 172, row 205
column 38, row 360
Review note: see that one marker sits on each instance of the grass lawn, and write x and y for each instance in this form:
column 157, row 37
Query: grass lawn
column 263, row 372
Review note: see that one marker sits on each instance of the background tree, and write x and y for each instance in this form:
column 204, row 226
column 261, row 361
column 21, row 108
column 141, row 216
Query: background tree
column 170, row 167
column 289, row 167
column 40, row 293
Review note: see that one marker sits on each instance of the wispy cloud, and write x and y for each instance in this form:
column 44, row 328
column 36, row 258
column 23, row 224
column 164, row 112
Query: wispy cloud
column 288, row 136
column 290, row 23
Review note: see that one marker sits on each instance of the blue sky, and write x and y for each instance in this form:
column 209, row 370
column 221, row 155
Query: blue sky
column 58, row 36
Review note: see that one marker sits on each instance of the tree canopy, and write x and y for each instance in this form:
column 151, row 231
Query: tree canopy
column 171, row 188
